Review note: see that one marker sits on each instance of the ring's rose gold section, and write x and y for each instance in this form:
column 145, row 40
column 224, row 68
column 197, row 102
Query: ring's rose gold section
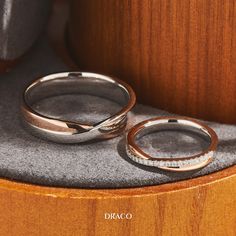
column 66, row 131
column 172, row 164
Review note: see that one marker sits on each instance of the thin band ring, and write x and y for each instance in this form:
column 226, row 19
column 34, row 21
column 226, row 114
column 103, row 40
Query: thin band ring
column 64, row 131
column 171, row 123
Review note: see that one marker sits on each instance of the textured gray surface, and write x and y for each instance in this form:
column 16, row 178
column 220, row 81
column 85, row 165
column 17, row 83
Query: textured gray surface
column 21, row 22
column 26, row 158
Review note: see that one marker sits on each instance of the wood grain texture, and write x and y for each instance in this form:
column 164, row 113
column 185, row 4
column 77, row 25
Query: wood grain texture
column 203, row 206
column 179, row 55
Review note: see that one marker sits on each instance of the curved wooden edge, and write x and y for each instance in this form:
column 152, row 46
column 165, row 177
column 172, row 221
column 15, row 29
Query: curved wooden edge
column 58, row 192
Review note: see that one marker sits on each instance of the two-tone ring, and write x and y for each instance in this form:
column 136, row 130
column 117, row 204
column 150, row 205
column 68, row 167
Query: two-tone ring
column 188, row 163
column 66, row 131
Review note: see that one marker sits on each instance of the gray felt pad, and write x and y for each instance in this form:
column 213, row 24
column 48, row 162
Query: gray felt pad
column 102, row 164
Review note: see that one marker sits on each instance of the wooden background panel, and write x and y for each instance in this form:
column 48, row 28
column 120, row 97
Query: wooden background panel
column 179, row 55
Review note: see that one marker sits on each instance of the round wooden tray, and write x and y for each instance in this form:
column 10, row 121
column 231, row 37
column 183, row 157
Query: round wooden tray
column 201, row 206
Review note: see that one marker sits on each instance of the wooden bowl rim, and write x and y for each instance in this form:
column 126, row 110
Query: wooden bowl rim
column 78, row 193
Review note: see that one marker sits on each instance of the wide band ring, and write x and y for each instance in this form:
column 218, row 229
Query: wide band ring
column 171, row 123
column 64, row 131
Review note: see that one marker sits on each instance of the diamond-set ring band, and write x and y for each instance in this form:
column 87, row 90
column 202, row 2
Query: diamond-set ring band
column 64, row 131
column 171, row 123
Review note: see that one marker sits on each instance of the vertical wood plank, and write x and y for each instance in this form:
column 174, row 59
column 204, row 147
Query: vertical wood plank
column 179, row 55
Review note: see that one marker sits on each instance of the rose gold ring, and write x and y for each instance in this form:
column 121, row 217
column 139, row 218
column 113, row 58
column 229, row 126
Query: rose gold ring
column 68, row 131
column 188, row 163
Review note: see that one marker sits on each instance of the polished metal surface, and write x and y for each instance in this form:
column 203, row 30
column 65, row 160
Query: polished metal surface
column 171, row 123
column 66, row 131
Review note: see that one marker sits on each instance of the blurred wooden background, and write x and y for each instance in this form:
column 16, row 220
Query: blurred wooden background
column 179, row 55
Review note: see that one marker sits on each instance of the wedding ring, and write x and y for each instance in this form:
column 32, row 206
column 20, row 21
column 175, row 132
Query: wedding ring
column 187, row 163
column 66, row 131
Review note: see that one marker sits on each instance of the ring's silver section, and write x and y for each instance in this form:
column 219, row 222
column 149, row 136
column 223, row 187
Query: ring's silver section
column 64, row 131
column 171, row 123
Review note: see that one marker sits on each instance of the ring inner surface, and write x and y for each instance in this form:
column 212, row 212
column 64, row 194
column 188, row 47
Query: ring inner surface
column 80, row 99
column 172, row 140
